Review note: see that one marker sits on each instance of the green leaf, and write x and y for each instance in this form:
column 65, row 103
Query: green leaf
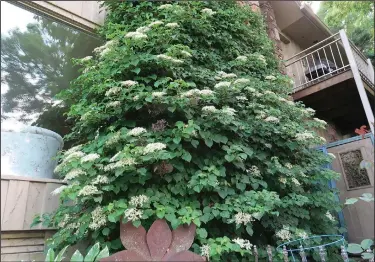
column 194, row 143
column 160, row 213
column 59, row 256
column 208, row 142
column 354, row 249
column 77, row 257
column 367, row 197
column 136, row 70
column 230, row 158
column 93, row 252
column 105, row 231
column 102, row 254
column 223, row 193
column 186, row 156
column 367, row 255
column 197, row 222
column 50, row 255
column 112, row 218
column 351, row 201
column 367, row 243
column 137, row 223
column 202, row 233
column 249, row 230
column 177, row 140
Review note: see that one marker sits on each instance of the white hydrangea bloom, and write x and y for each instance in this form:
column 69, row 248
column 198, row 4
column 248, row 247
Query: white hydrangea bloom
column 222, row 84
column 114, row 157
column 99, row 218
column 282, row 180
column 136, row 35
column 241, row 98
column 137, row 131
column 74, row 155
column 268, row 92
column 128, row 83
column 270, row 78
column 73, row 174
column 242, row 58
column 262, row 59
column 169, row 58
column 243, row 218
column 208, row 11
column 114, row 139
column 58, row 190
column 158, row 94
column 64, row 221
column 138, row 201
column 143, row 29
column 330, row 217
column 206, row 92
column 191, row 93
column 243, row 243
column 284, row 233
column 105, row 52
column 310, row 110
column 90, row 158
column 87, row 58
column 228, row 111
column 100, row 179
column 209, row 109
column 251, row 90
column 332, row 155
column 225, row 75
column 113, row 90
column 119, row 164
column 304, row 136
column 254, row 170
column 320, row 121
column 282, row 99
column 272, row 119
column 166, row 6
column 153, row 147
column 172, row 25
column 135, row 98
column 110, row 43
column 322, row 139
column 186, row 53
column 113, row 104
column 296, row 182
column 291, row 103
column 155, row 23
column 302, row 234
column 205, row 251
column 289, row 165
column 88, row 190
column 241, row 81
column 73, row 149
column 133, row 214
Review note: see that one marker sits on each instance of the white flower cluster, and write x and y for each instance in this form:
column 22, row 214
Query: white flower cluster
column 268, row 92
column 122, row 163
column 114, row 139
column 262, row 58
column 172, row 25
column 87, row 58
column 73, row 149
column 104, row 49
column 64, row 221
column 170, row 59
column 99, row 218
column 138, row 201
column 90, row 158
column 242, row 58
column 166, row 6
column 322, row 139
column 330, row 217
column 209, row 109
column 243, row 218
column 289, row 165
column 128, row 83
column 136, row 35
column 302, row 234
column 260, row 114
column 222, row 84
column 241, row 98
column 153, row 147
column 268, row 145
column 310, row 110
column 320, row 121
column 73, row 174
column 270, row 78
column 305, row 135
column 284, row 233
column 206, row 92
column 113, row 104
column 143, row 29
column 58, row 190
column 208, row 11
column 282, row 99
column 282, row 180
column 295, row 181
column 158, row 94
column 114, row 157
column 272, row 119
column 196, row 92
column 332, row 155
column 222, row 74
column 185, row 53
column 137, row 131
column 241, row 81
column 243, row 243
column 88, row 190
column 100, row 179
column 113, row 91
column 228, row 111
column 155, row 23
column 133, row 214
column 205, row 251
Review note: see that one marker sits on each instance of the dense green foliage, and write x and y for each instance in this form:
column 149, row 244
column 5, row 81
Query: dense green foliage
column 356, row 17
column 183, row 115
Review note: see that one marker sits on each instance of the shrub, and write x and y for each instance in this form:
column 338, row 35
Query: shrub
column 183, row 115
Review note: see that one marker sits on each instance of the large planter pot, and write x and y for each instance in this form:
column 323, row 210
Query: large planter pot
column 29, row 152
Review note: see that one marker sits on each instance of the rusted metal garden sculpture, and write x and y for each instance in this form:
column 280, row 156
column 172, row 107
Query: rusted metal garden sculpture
column 158, row 244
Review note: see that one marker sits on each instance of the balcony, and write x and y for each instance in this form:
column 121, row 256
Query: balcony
column 336, row 79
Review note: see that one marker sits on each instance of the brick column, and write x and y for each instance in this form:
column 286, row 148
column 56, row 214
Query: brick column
column 273, row 33
column 254, row 5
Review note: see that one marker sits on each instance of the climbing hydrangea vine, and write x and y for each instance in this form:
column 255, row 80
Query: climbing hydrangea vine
column 183, row 115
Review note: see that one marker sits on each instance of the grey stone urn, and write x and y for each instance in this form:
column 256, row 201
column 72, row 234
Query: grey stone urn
column 29, row 152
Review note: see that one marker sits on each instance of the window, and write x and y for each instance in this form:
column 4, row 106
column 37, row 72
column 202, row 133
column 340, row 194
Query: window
column 36, row 64
column 355, row 177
